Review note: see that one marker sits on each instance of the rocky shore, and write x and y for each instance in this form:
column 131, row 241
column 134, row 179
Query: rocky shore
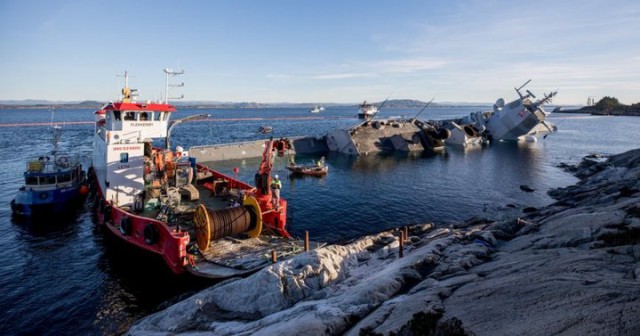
column 570, row 268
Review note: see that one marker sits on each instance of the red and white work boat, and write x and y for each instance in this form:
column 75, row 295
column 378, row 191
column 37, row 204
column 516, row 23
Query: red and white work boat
column 197, row 219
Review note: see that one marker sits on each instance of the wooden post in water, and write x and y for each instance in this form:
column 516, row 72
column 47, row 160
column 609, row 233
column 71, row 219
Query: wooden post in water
column 401, row 248
column 274, row 256
column 406, row 233
column 306, row 241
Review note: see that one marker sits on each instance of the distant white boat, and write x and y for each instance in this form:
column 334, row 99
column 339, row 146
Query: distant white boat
column 316, row 109
column 367, row 110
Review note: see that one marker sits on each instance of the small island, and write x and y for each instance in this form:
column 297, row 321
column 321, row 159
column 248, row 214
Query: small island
column 607, row 106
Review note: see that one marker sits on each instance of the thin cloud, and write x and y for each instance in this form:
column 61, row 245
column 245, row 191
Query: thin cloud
column 343, row 75
column 409, row 65
column 326, row 76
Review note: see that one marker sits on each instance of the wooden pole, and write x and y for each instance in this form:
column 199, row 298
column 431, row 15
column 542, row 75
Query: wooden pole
column 306, row 241
column 406, row 233
column 274, row 256
column 401, row 248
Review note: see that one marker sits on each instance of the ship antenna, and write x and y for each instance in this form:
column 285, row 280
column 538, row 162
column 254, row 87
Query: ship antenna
column 424, row 108
column 127, row 93
column 520, row 88
column 56, row 129
column 168, row 73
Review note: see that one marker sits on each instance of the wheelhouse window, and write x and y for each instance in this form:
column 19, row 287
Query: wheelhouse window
column 124, row 157
column 129, row 116
column 64, row 178
column 32, row 180
column 157, row 116
column 117, row 115
column 144, row 116
column 49, row 179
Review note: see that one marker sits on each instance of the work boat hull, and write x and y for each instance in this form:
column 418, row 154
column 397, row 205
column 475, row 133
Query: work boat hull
column 45, row 202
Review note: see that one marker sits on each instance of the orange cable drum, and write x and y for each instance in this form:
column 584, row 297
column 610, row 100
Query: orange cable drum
column 212, row 225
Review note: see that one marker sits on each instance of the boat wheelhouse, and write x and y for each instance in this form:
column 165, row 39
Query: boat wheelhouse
column 52, row 184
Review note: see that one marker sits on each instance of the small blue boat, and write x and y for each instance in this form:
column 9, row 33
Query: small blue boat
column 53, row 183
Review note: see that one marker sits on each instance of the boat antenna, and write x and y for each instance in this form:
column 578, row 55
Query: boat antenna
column 127, row 93
column 424, row 108
column 56, row 130
column 520, row 88
column 170, row 72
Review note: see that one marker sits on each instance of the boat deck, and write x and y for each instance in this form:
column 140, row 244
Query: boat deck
column 236, row 255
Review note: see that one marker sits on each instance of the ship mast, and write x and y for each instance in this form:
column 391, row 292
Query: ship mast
column 56, row 129
column 127, row 93
column 168, row 73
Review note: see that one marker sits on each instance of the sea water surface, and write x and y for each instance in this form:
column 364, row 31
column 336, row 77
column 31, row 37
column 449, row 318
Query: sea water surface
column 64, row 276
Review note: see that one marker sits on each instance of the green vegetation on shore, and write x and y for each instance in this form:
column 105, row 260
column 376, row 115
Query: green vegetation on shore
column 611, row 106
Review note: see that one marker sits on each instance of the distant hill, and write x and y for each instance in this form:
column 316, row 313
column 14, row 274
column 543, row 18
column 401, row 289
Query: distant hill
column 392, row 103
column 44, row 104
column 606, row 106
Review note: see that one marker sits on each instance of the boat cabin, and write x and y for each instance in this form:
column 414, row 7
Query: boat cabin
column 44, row 173
column 124, row 134
column 134, row 121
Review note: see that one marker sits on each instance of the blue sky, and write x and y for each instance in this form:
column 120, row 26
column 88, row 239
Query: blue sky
column 321, row 51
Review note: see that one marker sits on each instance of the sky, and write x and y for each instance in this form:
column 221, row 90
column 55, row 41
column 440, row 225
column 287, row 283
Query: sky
column 320, row 51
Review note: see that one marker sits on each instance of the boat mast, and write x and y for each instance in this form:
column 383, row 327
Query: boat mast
column 169, row 72
column 127, row 93
column 56, row 129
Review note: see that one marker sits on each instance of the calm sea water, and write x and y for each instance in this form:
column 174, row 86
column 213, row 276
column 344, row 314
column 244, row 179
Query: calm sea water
column 63, row 276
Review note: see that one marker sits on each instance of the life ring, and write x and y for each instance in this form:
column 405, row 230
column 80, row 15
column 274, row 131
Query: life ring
column 150, row 234
column 43, row 195
column 125, row 226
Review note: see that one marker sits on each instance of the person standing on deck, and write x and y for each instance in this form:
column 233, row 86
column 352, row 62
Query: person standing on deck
column 276, row 185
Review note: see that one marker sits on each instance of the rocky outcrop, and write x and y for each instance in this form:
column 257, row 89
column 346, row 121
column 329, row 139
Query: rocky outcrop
column 570, row 268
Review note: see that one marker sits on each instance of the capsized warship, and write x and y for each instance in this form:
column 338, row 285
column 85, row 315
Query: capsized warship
column 522, row 119
column 388, row 135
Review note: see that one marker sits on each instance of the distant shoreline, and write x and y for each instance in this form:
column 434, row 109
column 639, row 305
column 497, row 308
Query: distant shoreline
column 632, row 112
column 394, row 103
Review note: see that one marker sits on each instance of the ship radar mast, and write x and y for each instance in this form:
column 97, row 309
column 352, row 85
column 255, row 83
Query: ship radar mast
column 127, row 93
column 170, row 72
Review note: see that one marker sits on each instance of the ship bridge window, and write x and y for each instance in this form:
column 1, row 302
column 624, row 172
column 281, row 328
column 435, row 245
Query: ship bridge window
column 129, row 116
column 117, row 115
column 32, row 180
column 144, row 116
column 157, row 116
column 49, row 179
column 124, row 157
column 64, row 178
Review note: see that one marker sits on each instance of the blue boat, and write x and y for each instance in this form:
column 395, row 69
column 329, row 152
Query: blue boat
column 53, row 183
